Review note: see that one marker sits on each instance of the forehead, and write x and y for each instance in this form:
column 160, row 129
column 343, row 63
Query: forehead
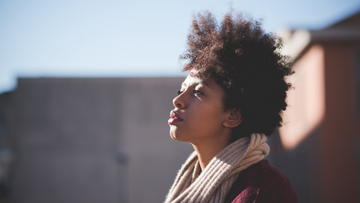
column 190, row 80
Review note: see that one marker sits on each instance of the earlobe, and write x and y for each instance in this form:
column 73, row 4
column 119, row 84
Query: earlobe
column 234, row 118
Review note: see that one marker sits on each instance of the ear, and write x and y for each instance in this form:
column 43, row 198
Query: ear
column 233, row 118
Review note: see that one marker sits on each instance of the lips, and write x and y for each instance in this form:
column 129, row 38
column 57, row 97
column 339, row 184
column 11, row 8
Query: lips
column 174, row 114
column 174, row 118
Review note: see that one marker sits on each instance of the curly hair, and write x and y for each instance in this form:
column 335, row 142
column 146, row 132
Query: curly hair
column 247, row 63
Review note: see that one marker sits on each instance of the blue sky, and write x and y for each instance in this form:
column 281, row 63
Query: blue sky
column 138, row 38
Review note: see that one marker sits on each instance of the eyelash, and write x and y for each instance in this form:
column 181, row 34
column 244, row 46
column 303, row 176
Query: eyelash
column 194, row 91
column 197, row 92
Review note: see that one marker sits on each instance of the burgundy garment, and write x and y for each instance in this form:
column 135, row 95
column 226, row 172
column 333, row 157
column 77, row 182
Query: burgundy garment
column 261, row 182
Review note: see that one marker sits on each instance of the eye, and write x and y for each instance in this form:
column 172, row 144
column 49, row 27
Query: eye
column 198, row 92
column 179, row 92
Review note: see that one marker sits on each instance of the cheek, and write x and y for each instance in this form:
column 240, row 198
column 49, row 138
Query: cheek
column 208, row 117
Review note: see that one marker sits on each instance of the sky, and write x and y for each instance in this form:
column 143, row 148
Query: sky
column 138, row 38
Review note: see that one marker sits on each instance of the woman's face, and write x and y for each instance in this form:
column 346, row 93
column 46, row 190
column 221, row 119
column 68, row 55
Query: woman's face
column 198, row 114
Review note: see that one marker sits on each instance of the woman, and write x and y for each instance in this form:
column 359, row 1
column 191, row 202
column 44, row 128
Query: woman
column 231, row 100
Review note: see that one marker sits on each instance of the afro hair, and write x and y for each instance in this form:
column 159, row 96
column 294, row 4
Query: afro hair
column 247, row 63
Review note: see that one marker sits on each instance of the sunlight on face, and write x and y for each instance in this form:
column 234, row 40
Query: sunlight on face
column 190, row 81
column 198, row 114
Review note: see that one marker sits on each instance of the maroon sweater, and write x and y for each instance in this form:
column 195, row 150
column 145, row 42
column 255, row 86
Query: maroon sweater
column 261, row 182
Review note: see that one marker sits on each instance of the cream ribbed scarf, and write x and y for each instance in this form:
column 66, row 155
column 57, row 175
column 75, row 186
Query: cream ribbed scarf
column 214, row 183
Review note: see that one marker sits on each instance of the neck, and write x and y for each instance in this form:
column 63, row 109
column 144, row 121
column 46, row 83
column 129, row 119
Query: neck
column 206, row 150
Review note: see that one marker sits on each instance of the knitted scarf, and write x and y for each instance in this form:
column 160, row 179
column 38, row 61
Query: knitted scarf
column 213, row 184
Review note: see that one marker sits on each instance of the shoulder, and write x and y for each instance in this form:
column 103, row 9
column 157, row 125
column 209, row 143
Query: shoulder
column 274, row 185
column 261, row 182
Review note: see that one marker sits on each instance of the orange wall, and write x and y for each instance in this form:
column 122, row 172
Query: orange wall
column 306, row 100
column 340, row 126
column 324, row 98
column 304, row 115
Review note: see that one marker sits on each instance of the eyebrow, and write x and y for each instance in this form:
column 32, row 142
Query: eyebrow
column 202, row 82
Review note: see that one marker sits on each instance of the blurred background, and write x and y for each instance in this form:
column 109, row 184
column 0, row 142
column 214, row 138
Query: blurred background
column 86, row 88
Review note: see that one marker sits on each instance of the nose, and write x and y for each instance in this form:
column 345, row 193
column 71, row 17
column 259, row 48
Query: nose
column 180, row 101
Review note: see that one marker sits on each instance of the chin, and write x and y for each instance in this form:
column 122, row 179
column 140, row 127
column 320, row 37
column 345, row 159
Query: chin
column 173, row 135
column 176, row 135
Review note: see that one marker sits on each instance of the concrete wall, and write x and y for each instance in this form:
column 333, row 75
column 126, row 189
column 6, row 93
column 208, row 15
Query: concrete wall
column 92, row 140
